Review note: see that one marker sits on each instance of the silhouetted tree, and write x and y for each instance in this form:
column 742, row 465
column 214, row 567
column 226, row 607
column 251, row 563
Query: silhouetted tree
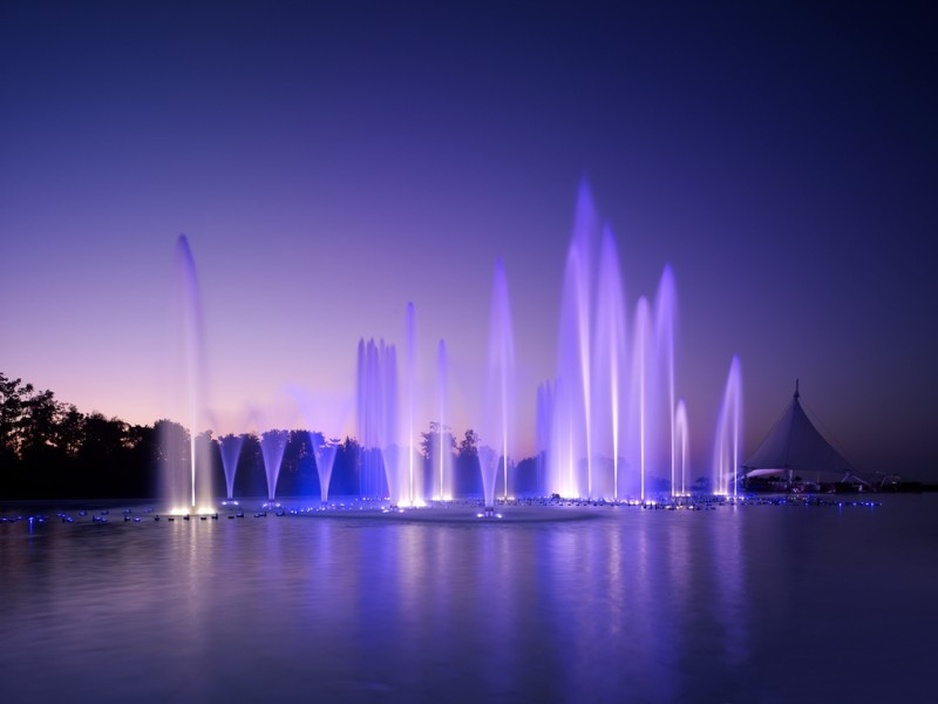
column 250, row 479
column 346, row 472
column 526, row 478
column 298, row 469
column 468, row 471
column 13, row 395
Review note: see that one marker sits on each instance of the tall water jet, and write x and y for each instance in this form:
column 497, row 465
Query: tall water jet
column 230, row 447
column 501, row 387
column 726, row 449
column 682, row 440
column 186, row 494
column 609, row 354
column 414, row 478
column 324, row 453
column 640, row 392
column 273, row 445
column 441, row 454
column 572, row 434
column 665, row 313
column 377, row 413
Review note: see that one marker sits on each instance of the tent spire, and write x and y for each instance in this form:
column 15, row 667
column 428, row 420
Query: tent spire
column 797, row 395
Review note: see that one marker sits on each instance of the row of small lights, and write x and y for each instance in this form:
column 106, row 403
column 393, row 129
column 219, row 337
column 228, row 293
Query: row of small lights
column 205, row 514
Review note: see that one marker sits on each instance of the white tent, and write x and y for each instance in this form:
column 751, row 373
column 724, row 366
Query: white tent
column 794, row 446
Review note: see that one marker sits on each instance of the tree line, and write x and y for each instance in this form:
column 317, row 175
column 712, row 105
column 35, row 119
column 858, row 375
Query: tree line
column 50, row 450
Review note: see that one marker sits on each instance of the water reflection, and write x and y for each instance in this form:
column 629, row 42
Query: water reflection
column 634, row 605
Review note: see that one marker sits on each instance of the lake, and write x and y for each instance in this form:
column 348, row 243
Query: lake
column 750, row 603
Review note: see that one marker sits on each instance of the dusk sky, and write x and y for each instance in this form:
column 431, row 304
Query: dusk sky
column 331, row 162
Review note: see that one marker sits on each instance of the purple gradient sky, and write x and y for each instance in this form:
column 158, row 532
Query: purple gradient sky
column 330, row 162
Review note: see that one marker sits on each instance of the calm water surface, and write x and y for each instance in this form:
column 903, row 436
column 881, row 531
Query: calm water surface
column 740, row 604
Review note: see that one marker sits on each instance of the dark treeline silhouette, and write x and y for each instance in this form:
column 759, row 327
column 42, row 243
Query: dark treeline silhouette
column 50, row 450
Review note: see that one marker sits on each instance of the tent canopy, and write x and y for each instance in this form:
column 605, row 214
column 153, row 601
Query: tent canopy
column 794, row 445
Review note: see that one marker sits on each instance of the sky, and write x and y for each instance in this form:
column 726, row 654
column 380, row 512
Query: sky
column 330, row 163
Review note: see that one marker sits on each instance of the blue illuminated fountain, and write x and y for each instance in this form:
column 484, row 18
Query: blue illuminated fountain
column 440, row 441
column 726, row 448
column 640, row 400
column 377, row 413
column 230, row 447
column 500, row 421
column 609, row 425
column 412, row 493
column 681, row 448
column 324, row 452
column 273, row 445
column 607, row 422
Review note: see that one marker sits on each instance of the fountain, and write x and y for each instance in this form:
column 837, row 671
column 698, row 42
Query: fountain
column 665, row 313
column 414, row 494
column 682, row 444
column 273, row 445
column 377, row 411
column 545, row 415
column 603, row 433
column 571, row 432
column 726, row 448
column 230, row 447
column 441, row 449
column 609, row 362
column 187, row 482
column 324, row 454
column 608, row 425
column 640, row 392
column 499, row 420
